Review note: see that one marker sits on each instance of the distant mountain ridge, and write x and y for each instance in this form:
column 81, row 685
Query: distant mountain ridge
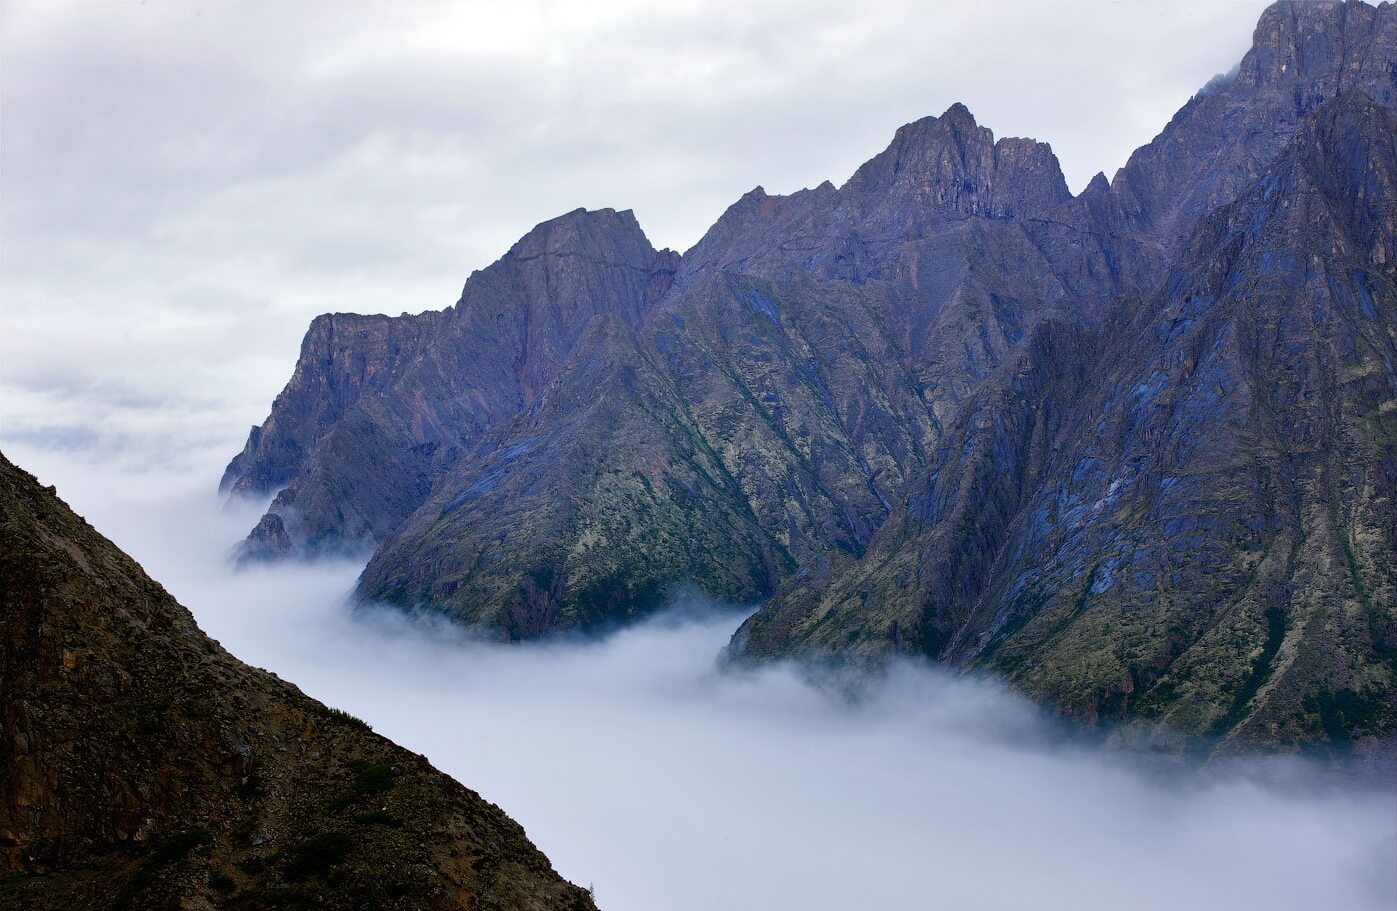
column 859, row 400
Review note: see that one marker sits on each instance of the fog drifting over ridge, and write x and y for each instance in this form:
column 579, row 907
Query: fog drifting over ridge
column 641, row 769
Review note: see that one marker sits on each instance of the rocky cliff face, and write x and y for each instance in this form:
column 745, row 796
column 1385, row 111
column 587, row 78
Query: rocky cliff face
column 380, row 407
column 1302, row 55
column 1186, row 517
column 582, row 512
column 858, row 397
column 141, row 766
column 936, row 173
column 754, row 419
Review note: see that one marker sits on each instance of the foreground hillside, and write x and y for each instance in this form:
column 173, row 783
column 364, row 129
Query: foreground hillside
column 141, row 766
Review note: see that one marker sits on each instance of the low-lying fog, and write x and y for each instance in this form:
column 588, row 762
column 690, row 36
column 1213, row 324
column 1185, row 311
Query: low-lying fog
column 642, row 770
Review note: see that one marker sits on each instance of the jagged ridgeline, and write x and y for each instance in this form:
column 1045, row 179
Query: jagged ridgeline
column 143, row 767
column 1131, row 448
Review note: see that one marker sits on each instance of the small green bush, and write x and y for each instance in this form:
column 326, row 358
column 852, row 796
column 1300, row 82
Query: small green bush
column 351, row 720
column 316, row 856
column 175, row 847
column 372, row 777
column 369, row 778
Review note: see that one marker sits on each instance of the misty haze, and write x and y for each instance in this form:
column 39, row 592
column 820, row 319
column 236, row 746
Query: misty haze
column 644, row 771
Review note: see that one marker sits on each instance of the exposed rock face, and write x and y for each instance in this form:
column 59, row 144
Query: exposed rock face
column 141, row 766
column 753, row 420
column 1303, row 53
column 857, row 396
column 582, row 512
column 268, row 541
column 947, row 537
column 380, row 407
column 896, row 209
column 953, row 166
column 1187, row 517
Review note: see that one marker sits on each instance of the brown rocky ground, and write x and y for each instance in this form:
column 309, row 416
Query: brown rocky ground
column 142, row 766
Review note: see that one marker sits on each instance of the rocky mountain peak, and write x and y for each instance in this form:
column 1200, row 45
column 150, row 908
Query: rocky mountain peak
column 568, row 269
column 1298, row 43
column 1098, row 184
column 424, row 387
column 952, row 138
column 604, row 235
column 955, row 166
column 1303, row 54
column 1210, row 473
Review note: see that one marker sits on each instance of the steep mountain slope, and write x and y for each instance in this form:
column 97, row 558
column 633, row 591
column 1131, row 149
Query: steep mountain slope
column 978, row 239
column 141, row 766
column 808, row 401
column 935, row 552
column 1302, row 54
column 380, row 407
column 583, row 512
column 1202, row 534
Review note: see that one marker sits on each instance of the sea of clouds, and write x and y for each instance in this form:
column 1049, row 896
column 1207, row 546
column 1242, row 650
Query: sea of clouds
column 643, row 769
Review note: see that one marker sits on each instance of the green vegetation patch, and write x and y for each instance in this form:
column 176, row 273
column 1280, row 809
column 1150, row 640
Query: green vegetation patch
column 378, row 818
column 372, row 777
column 172, row 849
column 352, row 720
column 316, row 856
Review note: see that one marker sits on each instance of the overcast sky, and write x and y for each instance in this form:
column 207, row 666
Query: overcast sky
column 183, row 186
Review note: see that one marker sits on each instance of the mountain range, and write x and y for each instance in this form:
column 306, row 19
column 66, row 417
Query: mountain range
column 1131, row 449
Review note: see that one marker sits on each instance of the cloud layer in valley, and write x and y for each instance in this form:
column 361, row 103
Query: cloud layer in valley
column 643, row 770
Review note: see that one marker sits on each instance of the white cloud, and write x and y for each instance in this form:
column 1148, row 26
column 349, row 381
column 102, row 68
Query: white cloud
column 641, row 769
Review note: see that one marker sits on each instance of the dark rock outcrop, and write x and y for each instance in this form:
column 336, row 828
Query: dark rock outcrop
column 267, row 542
column 141, row 766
